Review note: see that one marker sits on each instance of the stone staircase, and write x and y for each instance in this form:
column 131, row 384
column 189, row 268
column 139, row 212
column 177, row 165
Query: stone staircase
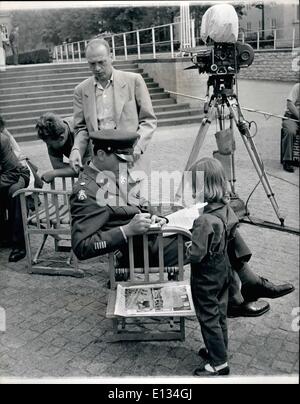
column 26, row 92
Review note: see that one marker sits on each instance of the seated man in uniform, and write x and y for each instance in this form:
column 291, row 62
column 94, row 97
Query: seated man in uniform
column 106, row 209
column 13, row 176
column 58, row 134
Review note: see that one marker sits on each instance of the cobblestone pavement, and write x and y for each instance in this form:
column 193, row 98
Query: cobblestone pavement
column 56, row 326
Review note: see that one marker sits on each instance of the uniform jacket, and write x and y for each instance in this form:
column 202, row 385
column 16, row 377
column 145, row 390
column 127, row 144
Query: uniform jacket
column 96, row 226
column 208, row 230
column 133, row 109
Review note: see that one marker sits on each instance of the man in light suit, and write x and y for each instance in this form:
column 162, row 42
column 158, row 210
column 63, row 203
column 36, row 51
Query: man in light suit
column 111, row 99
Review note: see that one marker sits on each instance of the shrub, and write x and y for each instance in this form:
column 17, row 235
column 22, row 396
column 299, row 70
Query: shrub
column 32, row 57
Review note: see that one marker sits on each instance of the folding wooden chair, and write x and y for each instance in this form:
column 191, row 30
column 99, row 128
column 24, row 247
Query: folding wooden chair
column 156, row 327
column 63, row 242
column 51, row 217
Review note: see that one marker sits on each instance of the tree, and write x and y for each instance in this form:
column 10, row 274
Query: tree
column 48, row 27
column 197, row 12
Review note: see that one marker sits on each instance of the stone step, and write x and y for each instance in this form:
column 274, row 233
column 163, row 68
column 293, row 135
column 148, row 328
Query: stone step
column 20, row 80
column 47, row 90
column 181, row 120
column 56, row 80
column 50, row 72
column 26, row 125
column 67, row 110
column 26, row 93
column 51, row 102
column 119, row 64
column 186, row 120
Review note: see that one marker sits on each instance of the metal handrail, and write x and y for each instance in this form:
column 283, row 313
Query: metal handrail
column 74, row 51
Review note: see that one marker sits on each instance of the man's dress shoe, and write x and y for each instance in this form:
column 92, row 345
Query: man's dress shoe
column 17, row 254
column 265, row 289
column 248, row 309
column 288, row 167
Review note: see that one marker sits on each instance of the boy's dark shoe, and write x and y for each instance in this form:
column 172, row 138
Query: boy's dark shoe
column 248, row 309
column 202, row 372
column 266, row 289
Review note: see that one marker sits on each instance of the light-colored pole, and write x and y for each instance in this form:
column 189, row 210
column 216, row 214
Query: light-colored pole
column 153, row 43
column 138, row 44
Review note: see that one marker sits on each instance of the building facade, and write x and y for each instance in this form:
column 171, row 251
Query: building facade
column 276, row 20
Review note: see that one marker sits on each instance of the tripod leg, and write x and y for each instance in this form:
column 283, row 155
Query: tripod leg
column 206, row 121
column 256, row 160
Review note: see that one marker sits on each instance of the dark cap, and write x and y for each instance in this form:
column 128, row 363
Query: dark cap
column 119, row 142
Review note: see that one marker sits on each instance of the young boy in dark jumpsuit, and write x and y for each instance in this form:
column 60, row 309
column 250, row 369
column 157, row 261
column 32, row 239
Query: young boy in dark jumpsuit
column 210, row 268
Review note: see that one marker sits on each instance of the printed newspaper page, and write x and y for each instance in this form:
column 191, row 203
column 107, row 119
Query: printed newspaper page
column 184, row 218
column 164, row 299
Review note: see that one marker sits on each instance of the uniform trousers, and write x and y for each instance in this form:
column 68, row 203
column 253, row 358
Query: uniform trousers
column 9, row 184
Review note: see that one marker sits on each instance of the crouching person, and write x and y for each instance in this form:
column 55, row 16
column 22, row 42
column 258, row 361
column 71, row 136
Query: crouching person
column 58, row 134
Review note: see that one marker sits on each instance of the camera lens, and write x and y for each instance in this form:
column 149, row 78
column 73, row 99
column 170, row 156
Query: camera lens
column 245, row 56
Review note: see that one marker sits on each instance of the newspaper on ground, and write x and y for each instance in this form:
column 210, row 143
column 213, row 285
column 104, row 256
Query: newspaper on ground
column 162, row 299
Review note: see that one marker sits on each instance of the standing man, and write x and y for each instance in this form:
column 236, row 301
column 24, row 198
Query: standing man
column 290, row 128
column 111, row 99
column 14, row 43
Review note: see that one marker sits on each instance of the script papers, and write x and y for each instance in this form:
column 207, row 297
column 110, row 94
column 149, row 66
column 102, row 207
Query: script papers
column 161, row 299
column 184, row 218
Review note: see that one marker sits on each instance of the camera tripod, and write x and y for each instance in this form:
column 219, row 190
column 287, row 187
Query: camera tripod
column 224, row 97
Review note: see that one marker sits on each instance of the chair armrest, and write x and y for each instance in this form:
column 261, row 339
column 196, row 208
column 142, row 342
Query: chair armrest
column 41, row 191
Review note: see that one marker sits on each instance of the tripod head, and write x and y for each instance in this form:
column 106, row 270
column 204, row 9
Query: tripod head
column 222, row 84
column 222, row 88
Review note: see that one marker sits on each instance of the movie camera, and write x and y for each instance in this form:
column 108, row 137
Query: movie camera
column 222, row 58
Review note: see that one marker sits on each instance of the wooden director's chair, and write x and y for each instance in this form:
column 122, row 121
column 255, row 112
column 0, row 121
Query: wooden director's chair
column 155, row 327
column 50, row 217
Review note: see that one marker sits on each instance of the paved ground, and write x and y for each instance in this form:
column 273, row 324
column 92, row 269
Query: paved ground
column 56, row 326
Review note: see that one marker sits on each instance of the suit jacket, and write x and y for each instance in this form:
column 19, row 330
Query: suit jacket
column 133, row 109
